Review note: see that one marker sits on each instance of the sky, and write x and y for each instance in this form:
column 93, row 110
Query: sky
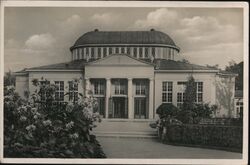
column 36, row 36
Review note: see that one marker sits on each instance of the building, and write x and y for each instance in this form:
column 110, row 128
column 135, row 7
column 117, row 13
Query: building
column 131, row 73
column 238, row 103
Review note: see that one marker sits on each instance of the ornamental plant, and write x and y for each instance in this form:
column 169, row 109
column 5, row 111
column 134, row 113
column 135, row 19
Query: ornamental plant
column 43, row 127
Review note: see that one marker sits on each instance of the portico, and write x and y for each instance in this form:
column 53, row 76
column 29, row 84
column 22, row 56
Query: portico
column 122, row 92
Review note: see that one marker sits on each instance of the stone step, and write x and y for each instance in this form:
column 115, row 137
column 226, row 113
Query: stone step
column 126, row 134
column 113, row 125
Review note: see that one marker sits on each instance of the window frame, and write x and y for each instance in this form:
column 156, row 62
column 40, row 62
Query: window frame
column 167, row 92
column 59, row 93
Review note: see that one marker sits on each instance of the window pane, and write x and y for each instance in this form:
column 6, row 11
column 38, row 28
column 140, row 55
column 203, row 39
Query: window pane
column 146, row 52
column 140, row 52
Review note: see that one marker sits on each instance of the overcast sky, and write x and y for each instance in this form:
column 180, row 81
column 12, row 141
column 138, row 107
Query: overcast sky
column 38, row 36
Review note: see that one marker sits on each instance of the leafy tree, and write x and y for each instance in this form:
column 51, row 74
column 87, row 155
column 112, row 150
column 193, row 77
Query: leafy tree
column 9, row 79
column 238, row 69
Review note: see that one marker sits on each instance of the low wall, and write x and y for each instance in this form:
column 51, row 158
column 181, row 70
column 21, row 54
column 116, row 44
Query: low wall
column 224, row 137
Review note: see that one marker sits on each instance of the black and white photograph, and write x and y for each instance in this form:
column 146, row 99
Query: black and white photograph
column 124, row 82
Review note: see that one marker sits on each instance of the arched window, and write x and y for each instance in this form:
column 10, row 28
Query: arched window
column 140, row 53
column 104, row 52
column 117, row 50
column 153, row 52
column 122, row 50
column 99, row 52
column 92, row 53
column 146, row 53
column 128, row 50
column 135, row 52
column 110, row 51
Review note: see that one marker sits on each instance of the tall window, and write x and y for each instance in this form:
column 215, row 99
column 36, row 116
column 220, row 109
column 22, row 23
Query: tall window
column 120, row 87
column 128, row 50
column 180, row 99
column 99, row 52
column 98, row 87
column 87, row 52
column 59, row 93
column 140, row 88
column 104, row 52
column 135, row 52
column 122, row 50
column 146, row 52
column 199, row 92
column 153, row 52
column 73, row 91
column 92, row 53
column 110, row 51
column 167, row 92
column 117, row 50
column 140, row 53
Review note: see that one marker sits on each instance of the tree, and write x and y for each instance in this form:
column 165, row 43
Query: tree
column 190, row 94
column 9, row 79
column 238, row 69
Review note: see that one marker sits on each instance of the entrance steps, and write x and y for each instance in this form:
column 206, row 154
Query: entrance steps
column 125, row 128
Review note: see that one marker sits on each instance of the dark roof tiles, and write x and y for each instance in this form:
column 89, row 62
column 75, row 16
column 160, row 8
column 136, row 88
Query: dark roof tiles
column 163, row 64
column 124, row 37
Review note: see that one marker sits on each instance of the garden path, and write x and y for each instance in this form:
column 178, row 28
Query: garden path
column 115, row 147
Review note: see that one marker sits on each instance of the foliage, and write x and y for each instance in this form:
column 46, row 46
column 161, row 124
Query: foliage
column 238, row 69
column 166, row 109
column 9, row 79
column 225, row 93
column 190, row 92
column 49, row 129
column 226, row 137
column 199, row 111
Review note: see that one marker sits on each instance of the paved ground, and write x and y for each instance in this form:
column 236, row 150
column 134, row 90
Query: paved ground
column 151, row 148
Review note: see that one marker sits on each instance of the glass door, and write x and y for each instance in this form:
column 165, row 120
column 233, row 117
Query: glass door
column 140, row 108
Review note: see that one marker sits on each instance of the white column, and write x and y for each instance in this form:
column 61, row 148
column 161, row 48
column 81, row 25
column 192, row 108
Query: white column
column 87, row 86
column 108, row 84
column 151, row 99
column 130, row 99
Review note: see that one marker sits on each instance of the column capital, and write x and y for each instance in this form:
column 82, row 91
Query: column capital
column 107, row 78
column 151, row 79
column 130, row 79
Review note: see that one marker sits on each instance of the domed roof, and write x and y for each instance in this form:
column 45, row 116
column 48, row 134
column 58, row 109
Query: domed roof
column 124, row 37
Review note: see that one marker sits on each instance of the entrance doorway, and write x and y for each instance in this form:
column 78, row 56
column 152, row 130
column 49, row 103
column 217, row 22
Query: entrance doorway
column 120, row 107
column 140, row 108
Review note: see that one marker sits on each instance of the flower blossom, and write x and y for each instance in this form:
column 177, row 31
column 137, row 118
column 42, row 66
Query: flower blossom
column 31, row 127
column 23, row 118
column 70, row 125
column 47, row 123
column 74, row 136
column 69, row 107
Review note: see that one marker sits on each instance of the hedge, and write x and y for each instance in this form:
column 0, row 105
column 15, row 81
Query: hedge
column 224, row 137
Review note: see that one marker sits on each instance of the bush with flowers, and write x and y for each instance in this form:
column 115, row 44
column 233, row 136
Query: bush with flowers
column 46, row 128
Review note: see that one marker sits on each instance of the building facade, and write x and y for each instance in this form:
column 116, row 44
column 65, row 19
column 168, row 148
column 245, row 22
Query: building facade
column 131, row 73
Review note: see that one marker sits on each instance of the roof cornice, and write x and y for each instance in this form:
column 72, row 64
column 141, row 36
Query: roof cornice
column 187, row 71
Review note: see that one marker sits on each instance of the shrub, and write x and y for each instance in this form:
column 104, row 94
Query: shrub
column 37, row 128
column 166, row 109
column 229, row 137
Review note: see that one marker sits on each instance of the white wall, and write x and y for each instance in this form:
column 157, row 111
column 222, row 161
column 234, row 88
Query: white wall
column 208, row 79
column 57, row 76
column 22, row 84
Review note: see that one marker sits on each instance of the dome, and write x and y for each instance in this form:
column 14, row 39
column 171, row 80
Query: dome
column 124, row 37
